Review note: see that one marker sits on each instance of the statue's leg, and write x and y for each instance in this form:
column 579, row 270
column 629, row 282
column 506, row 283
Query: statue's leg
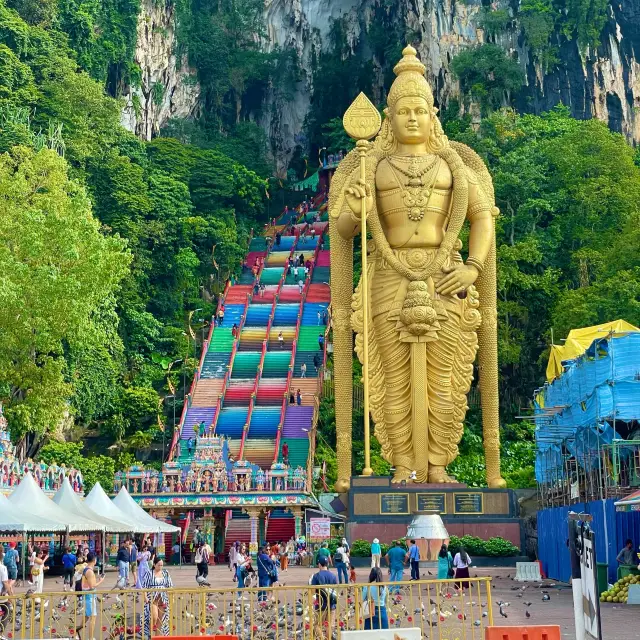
column 445, row 431
column 396, row 362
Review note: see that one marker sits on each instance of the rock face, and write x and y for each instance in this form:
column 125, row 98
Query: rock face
column 169, row 88
column 604, row 83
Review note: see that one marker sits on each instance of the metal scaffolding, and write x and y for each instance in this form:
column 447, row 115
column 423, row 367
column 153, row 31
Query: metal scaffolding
column 587, row 425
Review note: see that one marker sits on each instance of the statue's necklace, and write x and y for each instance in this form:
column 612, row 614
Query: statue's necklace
column 416, row 193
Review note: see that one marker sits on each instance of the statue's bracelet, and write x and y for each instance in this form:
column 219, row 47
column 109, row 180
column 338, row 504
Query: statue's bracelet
column 474, row 262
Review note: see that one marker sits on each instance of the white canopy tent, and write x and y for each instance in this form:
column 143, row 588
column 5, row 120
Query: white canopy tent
column 128, row 505
column 13, row 518
column 30, row 497
column 70, row 501
column 98, row 501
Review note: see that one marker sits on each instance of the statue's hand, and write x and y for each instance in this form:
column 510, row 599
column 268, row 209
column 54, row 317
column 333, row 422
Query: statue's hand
column 355, row 195
column 457, row 279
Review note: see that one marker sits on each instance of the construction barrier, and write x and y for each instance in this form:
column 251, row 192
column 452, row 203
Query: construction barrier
column 547, row 632
column 277, row 613
column 528, row 572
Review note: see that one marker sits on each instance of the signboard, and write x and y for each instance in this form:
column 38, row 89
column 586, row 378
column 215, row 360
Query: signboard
column 590, row 600
column 431, row 502
column 394, row 503
column 468, row 503
column 320, row 528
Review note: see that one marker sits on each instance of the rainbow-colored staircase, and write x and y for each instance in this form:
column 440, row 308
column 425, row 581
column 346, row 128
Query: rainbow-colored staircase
column 243, row 385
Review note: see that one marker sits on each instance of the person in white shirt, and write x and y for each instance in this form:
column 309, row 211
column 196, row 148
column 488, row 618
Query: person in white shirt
column 4, row 575
column 242, row 561
column 461, row 564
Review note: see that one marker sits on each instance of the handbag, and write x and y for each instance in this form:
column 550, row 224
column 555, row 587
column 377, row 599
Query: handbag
column 366, row 605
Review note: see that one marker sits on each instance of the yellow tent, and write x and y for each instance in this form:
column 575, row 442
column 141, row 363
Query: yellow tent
column 578, row 342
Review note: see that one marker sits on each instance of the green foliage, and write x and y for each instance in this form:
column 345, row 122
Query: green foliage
column 106, row 249
column 538, row 20
column 545, row 20
column 103, row 33
column 487, row 75
column 494, row 547
column 585, row 20
column 495, row 21
column 58, row 269
column 94, row 468
column 361, row 548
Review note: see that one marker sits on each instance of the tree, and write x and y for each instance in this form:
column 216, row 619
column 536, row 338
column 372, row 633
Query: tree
column 94, row 468
column 487, row 75
column 58, row 268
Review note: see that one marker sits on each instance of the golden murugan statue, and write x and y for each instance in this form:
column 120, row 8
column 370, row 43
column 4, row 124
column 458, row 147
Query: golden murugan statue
column 426, row 318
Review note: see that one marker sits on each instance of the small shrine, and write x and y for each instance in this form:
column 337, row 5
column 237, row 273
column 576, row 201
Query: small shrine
column 137, row 479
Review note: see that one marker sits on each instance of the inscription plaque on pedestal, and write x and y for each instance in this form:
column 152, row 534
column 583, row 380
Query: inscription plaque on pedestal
column 394, row 503
column 468, row 503
column 434, row 502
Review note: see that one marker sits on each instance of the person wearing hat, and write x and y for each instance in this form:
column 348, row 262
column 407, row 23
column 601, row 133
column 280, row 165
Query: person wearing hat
column 376, row 553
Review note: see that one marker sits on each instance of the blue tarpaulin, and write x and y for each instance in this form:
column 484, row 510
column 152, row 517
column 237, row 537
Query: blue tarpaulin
column 612, row 529
column 574, row 411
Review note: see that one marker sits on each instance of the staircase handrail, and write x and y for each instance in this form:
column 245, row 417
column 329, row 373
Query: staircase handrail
column 312, row 443
column 245, row 429
column 205, row 349
column 256, row 382
column 185, row 531
column 292, row 364
column 227, row 375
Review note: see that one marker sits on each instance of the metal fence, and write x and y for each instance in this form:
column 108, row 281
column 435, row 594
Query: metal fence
column 278, row 613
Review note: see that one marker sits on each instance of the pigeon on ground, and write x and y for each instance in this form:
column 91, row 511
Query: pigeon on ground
column 527, row 614
column 502, row 613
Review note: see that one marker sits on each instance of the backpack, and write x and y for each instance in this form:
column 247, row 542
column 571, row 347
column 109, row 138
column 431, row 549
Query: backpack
column 205, row 556
column 78, row 584
column 338, row 556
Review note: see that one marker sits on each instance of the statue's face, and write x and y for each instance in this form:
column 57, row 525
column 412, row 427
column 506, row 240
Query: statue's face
column 411, row 120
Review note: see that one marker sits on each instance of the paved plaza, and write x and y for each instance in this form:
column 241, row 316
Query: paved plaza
column 619, row 622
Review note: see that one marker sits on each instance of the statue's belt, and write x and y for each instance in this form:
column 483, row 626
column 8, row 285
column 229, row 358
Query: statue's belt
column 412, row 305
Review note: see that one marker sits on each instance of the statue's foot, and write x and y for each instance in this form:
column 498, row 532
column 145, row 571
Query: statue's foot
column 437, row 475
column 497, row 483
column 401, row 474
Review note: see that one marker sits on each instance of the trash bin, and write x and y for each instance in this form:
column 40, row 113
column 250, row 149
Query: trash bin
column 602, row 577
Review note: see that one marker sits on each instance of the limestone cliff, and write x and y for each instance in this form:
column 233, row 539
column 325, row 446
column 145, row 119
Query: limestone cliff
column 604, row 83
column 169, row 88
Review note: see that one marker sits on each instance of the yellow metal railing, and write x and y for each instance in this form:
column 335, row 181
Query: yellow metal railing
column 278, row 613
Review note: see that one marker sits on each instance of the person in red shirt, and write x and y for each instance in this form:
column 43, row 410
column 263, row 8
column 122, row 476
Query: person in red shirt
column 285, row 453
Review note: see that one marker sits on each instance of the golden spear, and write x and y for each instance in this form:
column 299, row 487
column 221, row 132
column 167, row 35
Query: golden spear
column 362, row 122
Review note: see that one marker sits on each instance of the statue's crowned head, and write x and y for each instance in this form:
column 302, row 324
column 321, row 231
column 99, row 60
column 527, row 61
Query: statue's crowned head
column 410, row 81
column 410, row 109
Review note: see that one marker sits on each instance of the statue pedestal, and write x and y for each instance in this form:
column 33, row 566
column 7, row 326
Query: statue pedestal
column 380, row 509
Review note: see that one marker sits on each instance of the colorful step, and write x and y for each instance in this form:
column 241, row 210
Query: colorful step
column 231, row 422
column 246, row 364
